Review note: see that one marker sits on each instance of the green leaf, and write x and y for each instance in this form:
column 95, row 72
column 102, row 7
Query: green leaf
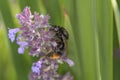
column 7, row 69
column 32, row 4
column 116, row 40
column 117, row 17
column 22, row 63
column 105, row 31
column 72, row 50
column 53, row 9
column 95, row 17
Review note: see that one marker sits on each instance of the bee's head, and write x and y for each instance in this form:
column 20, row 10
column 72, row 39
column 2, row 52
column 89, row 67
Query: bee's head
column 65, row 33
column 60, row 30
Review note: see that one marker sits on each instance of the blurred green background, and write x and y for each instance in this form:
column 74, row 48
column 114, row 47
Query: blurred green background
column 94, row 29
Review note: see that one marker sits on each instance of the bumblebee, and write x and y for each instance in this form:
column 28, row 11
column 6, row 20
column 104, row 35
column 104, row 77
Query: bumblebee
column 61, row 37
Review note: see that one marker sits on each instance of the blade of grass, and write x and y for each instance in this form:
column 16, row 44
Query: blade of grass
column 116, row 40
column 96, row 39
column 68, row 11
column 72, row 50
column 53, row 9
column 14, row 8
column 105, row 31
column 88, row 39
column 69, row 6
column 42, row 7
column 33, row 4
column 117, row 17
column 5, row 10
column 21, row 63
column 7, row 70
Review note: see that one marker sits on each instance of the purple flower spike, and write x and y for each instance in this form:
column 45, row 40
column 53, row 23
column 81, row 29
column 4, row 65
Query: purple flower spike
column 25, row 18
column 27, row 13
column 45, row 41
column 46, row 69
column 12, row 33
column 21, row 19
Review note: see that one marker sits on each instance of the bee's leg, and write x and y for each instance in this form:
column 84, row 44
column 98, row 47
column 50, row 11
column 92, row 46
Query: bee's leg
column 49, row 53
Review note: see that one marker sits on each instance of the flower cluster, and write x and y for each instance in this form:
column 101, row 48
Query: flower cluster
column 35, row 35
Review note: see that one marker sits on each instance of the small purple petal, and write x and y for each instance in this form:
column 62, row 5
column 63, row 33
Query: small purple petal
column 70, row 62
column 12, row 33
column 36, row 67
column 38, row 64
column 21, row 50
column 11, row 37
column 22, row 44
column 22, row 47
column 41, row 16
